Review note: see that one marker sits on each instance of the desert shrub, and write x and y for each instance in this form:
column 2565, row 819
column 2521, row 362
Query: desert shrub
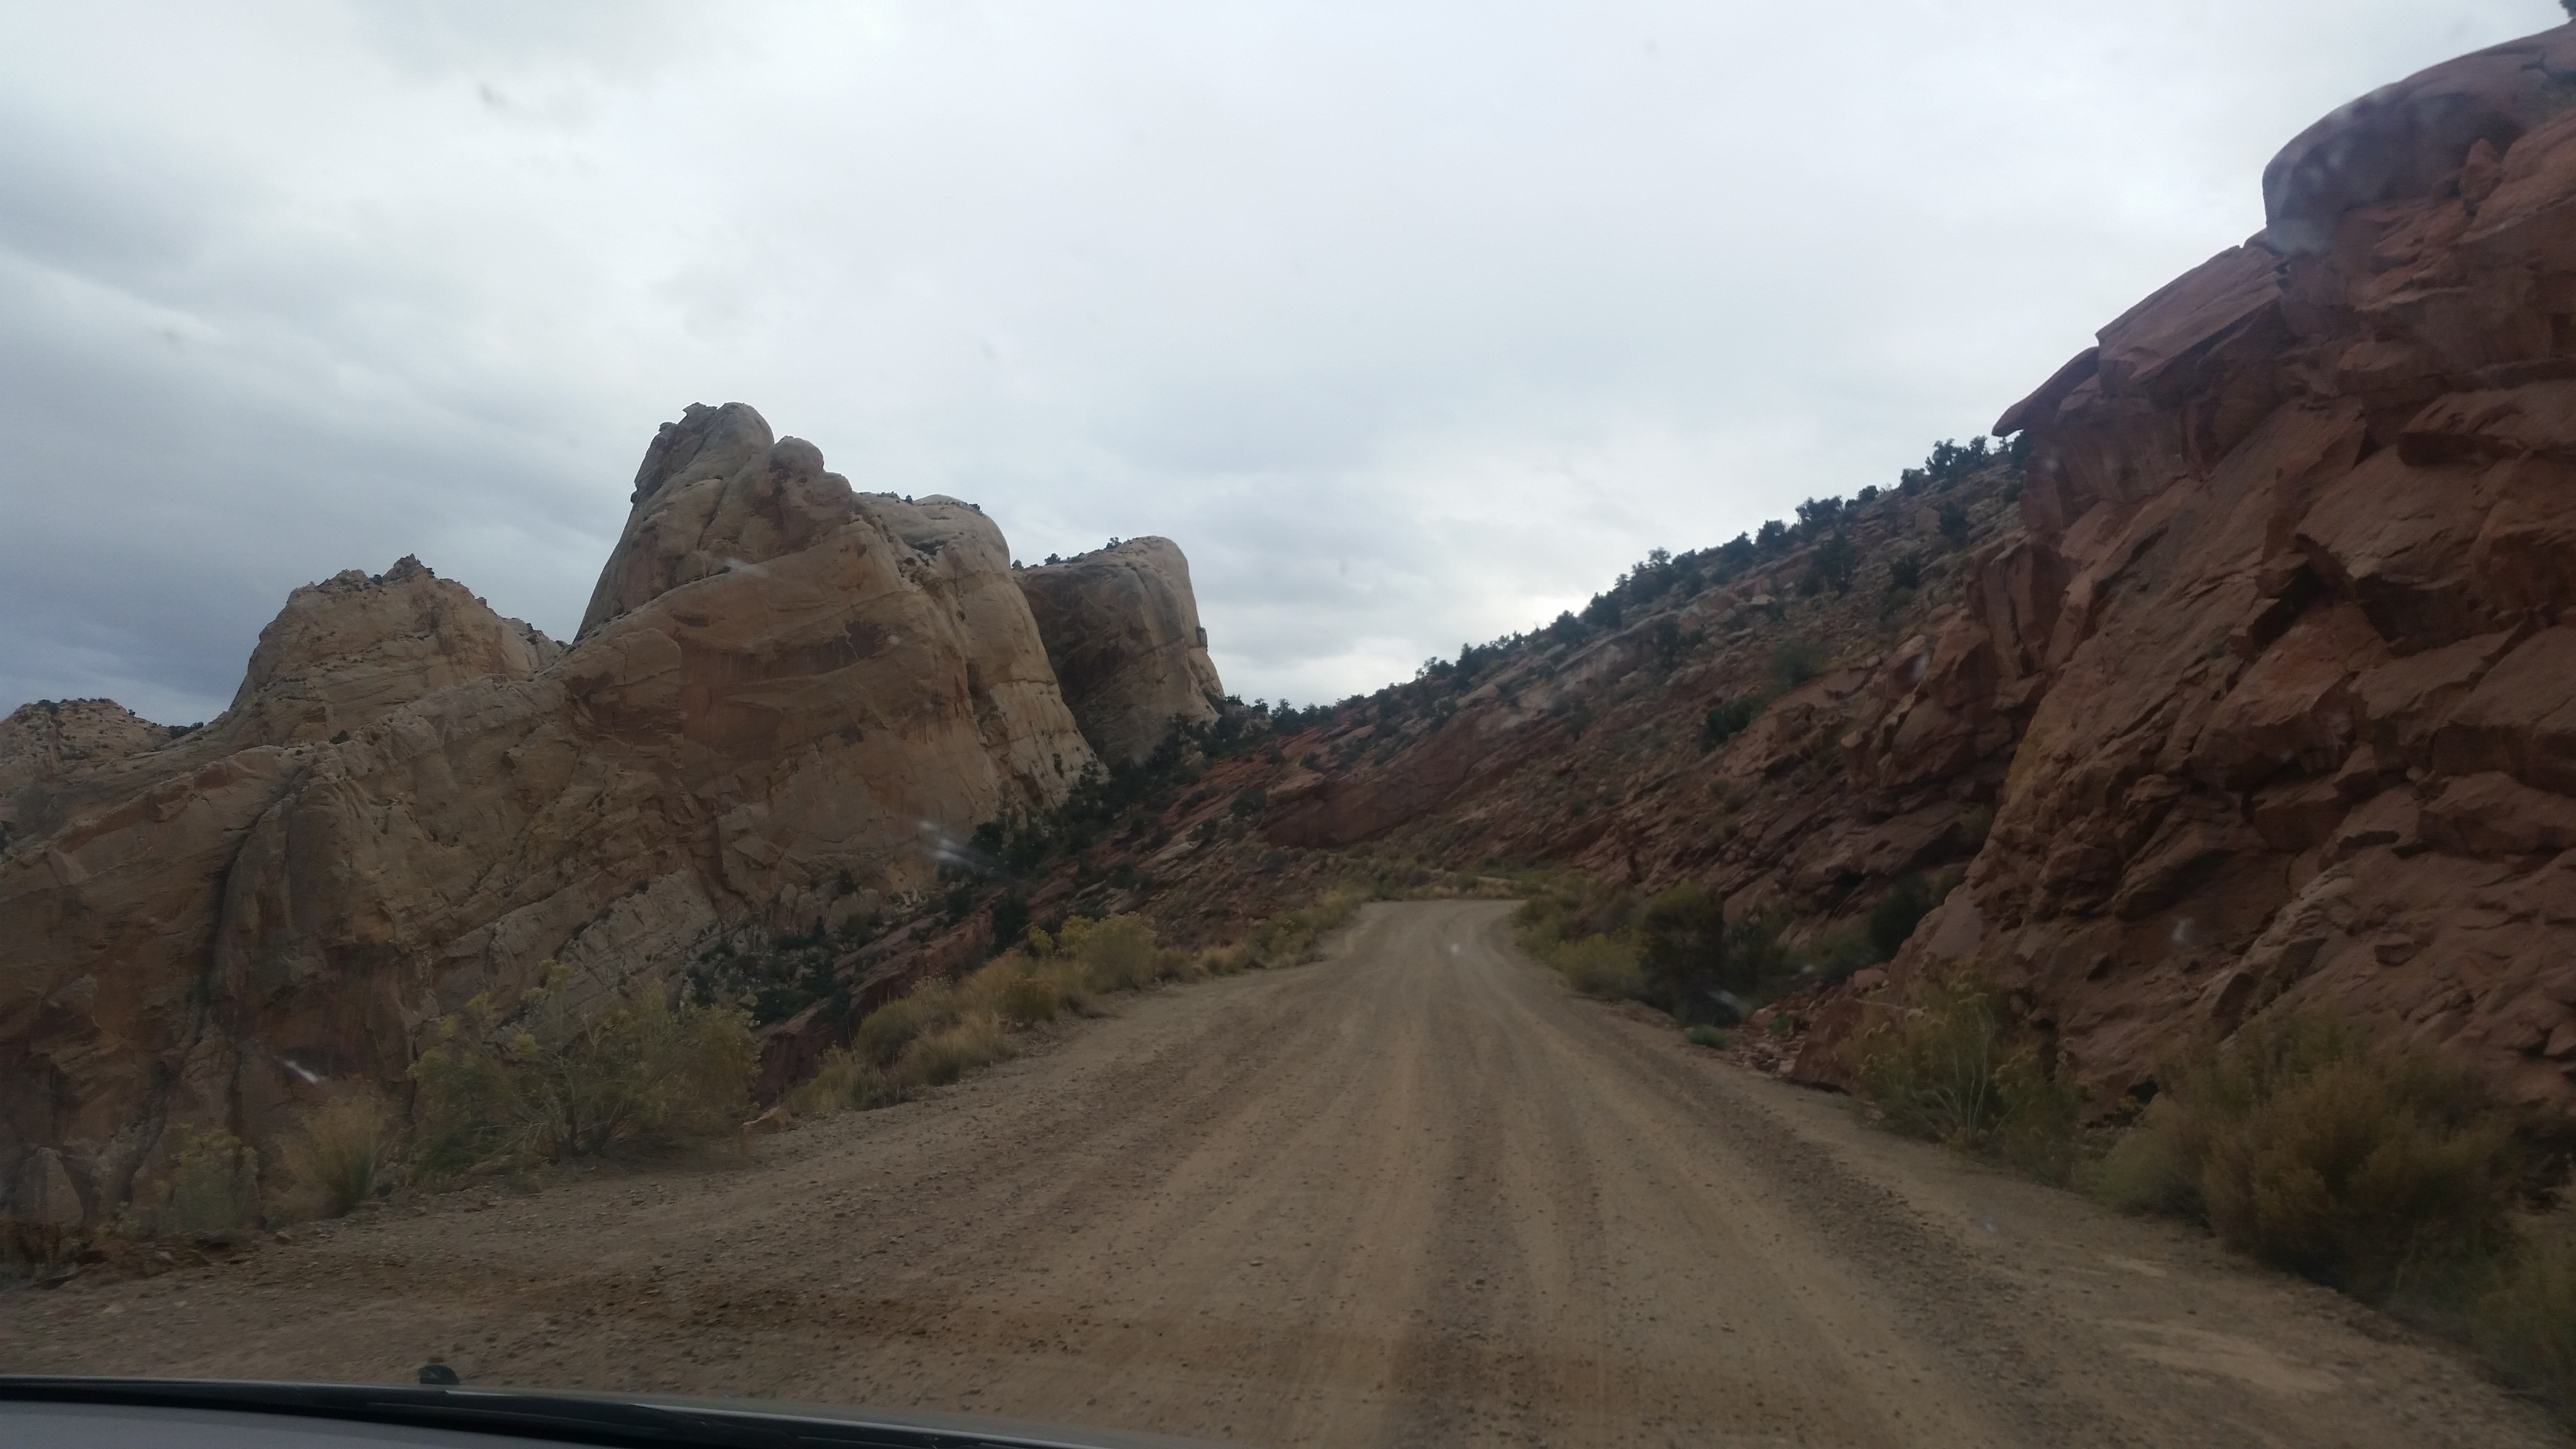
column 1666, row 637
column 464, row 1108
column 1028, row 998
column 886, row 1031
column 943, row 1056
column 1796, row 661
column 1681, row 948
column 2308, row 1148
column 1727, row 720
column 1954, row 524
column 1897, row 913
column 641, row 1071
column 339, row 1153
column 1114, row 954
column 211, row 1186
column 846, row 1082
column 1291, row 937
column 1755, row 954
column 2525, row 1321
column 1905, row 571
column 1604, row 967
column 944, row 1029
column 1834, row 563
column 1952, row 1066
column 559, row 1079
column 1707, row 1036
column 1010, row 919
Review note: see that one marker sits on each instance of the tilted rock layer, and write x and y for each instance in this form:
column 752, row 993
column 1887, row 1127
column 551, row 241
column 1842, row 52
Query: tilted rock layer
column 2261, row 695
column 2306, row 719
column 784, row 700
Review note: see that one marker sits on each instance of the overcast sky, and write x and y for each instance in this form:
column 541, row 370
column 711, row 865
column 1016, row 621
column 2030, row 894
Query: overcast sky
column 1412, row 323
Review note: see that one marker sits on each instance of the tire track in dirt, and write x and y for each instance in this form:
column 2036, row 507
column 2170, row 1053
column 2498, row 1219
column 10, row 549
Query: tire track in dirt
column 1414, row 1193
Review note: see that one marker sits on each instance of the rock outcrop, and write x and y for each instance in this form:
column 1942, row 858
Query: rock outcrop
column 2305, row 727
column 786, row 698
column 2261, row 694
column 1122, row 631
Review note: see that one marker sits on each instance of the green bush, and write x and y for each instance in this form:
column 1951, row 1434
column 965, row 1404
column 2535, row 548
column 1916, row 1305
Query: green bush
column 1681, row 948
column 1727, row 720
column 1708, row 1036
column 1796, row 661
column 943, row 1056
column 1952, row 1066
column 2303, row 1145
column 558, row 1080
column 1834, row 563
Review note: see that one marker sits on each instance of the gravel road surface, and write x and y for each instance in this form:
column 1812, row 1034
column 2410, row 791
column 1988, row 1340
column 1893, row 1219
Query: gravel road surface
column 1412, row 1194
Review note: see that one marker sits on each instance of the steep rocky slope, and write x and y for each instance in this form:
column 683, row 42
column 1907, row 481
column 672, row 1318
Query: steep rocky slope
column 2254, row 684
column 786, row 701
column 2307, row 719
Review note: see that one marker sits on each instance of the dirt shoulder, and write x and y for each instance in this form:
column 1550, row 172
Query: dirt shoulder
column 1412, row 1194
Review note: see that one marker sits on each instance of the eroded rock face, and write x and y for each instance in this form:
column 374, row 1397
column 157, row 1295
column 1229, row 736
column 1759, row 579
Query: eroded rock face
column 784, row 691
column 1122, row 631
column 43, row 745
column 2306, row 716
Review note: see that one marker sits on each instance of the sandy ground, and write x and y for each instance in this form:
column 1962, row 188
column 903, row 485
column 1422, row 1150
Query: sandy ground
column 1413, row 1194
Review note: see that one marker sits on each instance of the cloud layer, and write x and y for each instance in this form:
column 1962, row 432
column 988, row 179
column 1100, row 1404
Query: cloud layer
column 1412, row 324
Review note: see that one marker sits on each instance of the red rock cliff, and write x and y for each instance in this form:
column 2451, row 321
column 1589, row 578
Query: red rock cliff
column 2305, row 727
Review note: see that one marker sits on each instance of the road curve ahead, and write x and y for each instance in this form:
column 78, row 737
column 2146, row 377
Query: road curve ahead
column 1414, row 1194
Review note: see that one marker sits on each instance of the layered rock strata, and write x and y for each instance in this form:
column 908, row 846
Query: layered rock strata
column 785, row 699
column 2305, row 728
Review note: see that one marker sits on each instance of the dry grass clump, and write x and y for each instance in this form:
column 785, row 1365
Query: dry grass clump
column 1118, row 953
column 340, row 1153
column 2374, row 1171
column 554, row 1079
column 1603, row 967
column 2525, row 1322
column 846, row 1082
column 943, row 1056
column 1587, row 938
column 886, row 1031
column 1952, row 1066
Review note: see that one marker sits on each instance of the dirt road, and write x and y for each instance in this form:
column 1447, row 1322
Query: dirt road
column 1414, row 1194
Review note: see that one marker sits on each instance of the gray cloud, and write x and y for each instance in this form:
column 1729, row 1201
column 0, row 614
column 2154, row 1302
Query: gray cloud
column 1413, row 324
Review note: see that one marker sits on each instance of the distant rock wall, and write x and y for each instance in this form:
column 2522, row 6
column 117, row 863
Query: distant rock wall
column 1122, row 631
column 783, row 692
